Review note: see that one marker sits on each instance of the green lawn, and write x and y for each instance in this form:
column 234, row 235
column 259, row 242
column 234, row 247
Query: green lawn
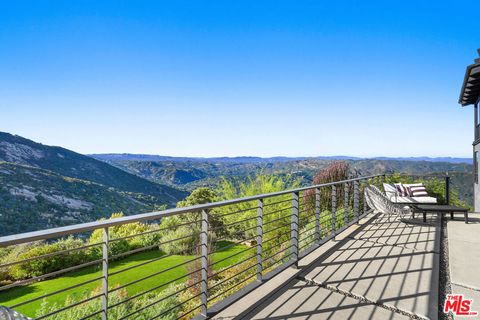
column 19, row 294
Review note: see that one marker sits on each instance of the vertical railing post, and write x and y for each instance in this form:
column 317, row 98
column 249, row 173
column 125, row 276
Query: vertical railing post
column 364, row 201
column 105, row 239
column 345, row 203
column 383, row 179
column 204, row 262
column 259, row 239
column 317, row 215
column 355, row 201
column 447, row 189
column 294, row 226
column 334, row 209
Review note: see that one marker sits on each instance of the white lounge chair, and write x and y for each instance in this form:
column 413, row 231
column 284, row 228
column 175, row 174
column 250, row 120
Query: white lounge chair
column 392, row 195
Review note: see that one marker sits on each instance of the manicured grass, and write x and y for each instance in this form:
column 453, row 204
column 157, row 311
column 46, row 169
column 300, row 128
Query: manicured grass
column 20, row 294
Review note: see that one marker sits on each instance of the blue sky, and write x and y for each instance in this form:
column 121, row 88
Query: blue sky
column 227, row 78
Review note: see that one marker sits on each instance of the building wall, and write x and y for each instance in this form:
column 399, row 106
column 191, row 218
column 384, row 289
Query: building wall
column 476, row 186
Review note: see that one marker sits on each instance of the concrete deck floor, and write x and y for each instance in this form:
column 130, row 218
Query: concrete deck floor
column 379, row 269
column 464, row 258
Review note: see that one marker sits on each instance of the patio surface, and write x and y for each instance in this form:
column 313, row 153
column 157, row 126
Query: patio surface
column 464, row 258
column 379, row 269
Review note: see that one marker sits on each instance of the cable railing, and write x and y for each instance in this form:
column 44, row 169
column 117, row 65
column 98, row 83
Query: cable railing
column 211, row 267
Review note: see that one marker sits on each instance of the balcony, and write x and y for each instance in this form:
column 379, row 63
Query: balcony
column 317, row 251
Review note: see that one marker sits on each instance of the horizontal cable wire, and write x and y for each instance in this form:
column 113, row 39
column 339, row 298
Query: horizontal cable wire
column 277, row 237
column 273, row 255
column 274, row 203
column 91, row 315
column 280, row 260
column 157, row 287
column 153, row 231
column 68, row 307
column 233, row 244
column 51, row 274
column 47, row 255
column 233, row 255
column 151, row 261
column 307, row 230
column 236, row 233
column 123, row 254
column 279, row 227
column 231, row 277
column 236, row 285
column 275, row 220
column 55, row 292
column 160, row 300
column 188, row 300
column 276, row 211
column 233, row 265
column 191, row 310
column 239, row 211
column 237, row 222
column 306, row 244
column 152, row 275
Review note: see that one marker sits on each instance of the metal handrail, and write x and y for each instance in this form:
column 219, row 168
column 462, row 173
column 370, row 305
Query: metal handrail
column 299, row 212
column 89, row 226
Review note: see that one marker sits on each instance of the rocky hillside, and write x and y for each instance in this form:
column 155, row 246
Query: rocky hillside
column 18, row 150
column 43, row 187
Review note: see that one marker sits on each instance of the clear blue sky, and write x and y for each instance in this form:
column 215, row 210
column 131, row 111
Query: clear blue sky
column 227, row 78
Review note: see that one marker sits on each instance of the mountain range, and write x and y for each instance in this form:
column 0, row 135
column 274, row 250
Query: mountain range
column 246, row 159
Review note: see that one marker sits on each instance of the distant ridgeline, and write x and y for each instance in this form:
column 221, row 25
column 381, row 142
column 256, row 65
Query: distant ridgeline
column 43, row 187
column 190, row 173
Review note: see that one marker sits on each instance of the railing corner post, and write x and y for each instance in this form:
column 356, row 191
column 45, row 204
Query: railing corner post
column 259, row 240
column 204, row 262
column 447, row 189
column 105, row 240
column 294, row 226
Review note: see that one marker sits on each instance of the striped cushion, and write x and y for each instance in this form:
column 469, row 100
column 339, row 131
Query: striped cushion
column 402, row 191
column 418, row 191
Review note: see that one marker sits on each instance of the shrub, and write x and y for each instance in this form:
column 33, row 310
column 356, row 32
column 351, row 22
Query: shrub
column 41, row 266
column 188, row 240
column 121, row 231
